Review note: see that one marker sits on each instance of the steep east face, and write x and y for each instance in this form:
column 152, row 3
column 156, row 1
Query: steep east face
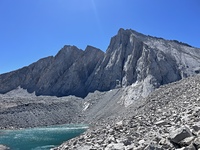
column 131, row 58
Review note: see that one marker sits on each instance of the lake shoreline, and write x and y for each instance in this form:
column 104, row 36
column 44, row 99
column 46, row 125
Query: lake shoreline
column 41, row 137
column 19, row 128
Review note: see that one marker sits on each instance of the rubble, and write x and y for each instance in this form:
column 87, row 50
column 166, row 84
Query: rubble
column 167, row 119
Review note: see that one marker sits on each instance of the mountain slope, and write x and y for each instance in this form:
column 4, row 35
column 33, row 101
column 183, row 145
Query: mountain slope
column 131, row 58
column 167, row 119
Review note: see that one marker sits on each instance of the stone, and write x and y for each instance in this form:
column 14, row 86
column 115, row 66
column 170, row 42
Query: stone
column 180, row 134
column 161, row 123
column 190, row 147
column 111, row 139
column 127, row 142
column 116, row 146
column 153, row 147
column 111, row 131
column 196, row 127
column 120, row 123
column 3, row 147
column 197, row 142
column 141, row 142
column 85, row 147
column 187, row 141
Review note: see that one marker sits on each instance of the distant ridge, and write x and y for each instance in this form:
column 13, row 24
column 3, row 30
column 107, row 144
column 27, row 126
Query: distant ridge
column 131, row 58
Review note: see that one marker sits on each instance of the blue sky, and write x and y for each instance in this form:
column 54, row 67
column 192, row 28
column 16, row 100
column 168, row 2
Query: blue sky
column 33, row 29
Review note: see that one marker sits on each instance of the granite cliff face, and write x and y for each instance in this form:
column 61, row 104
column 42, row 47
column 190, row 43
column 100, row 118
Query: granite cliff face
column 132, row 58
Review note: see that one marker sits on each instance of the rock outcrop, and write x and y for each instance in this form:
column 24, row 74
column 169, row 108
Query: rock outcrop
column 131, row 58
column 64, row 74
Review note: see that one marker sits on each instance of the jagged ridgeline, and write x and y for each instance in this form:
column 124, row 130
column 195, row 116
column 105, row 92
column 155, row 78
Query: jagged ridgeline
column 130, row 58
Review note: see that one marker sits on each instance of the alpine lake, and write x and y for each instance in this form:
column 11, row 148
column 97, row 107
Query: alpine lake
column 40, row 138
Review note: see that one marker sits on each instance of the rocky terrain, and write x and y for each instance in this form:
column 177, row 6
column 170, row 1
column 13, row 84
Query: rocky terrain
column 167, row 119
column 19, row 109
column 129, row 94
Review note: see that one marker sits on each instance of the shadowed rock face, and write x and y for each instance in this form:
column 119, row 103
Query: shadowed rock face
column 130, row 58
column 64, row 74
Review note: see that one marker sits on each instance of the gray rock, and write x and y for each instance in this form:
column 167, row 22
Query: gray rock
column 187, row 141
column 196, row 127
column 116, row 146
column 197, row 143
column 190, row 147
column 153, row 147
column 161, row 123
column 3, row 147
column 180, row 134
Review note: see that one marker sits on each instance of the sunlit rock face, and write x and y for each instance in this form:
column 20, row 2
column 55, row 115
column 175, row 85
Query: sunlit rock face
column 131, row 58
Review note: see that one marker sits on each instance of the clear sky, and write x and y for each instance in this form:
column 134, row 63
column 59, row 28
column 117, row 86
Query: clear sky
column 33, row 29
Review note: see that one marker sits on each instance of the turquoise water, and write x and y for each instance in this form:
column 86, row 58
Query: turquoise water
column 39, row 138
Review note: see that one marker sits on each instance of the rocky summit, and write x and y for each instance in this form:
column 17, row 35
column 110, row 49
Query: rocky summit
column 142, row 93
column 130, row 58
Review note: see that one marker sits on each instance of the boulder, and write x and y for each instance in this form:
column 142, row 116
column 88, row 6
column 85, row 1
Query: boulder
column 197, row 143
column 3, row 147
column 115, row 146
column 187, row 141
column 196, row 127
column 180, row 134
column 189, row 147
column 153, row 147
column 161, row 123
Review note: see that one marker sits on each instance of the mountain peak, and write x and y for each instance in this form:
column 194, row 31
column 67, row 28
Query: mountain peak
column 90, row 48
column 122, row 32
column 131, row 58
